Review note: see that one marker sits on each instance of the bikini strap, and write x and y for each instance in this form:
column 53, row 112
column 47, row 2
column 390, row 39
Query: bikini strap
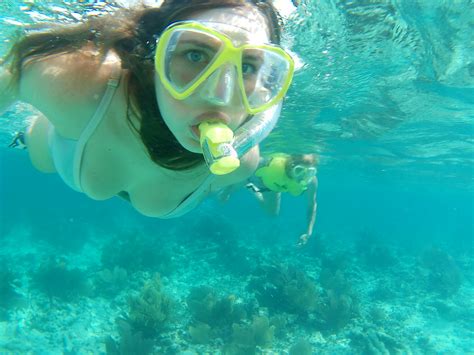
column 90, row 128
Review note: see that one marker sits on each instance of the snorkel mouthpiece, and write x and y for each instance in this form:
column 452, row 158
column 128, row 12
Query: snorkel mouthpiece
column 216, row 143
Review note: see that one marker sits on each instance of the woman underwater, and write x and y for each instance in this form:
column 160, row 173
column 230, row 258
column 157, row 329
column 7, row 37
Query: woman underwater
column 124, row 98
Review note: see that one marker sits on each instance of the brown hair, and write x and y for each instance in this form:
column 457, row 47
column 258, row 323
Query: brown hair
column 132, row 34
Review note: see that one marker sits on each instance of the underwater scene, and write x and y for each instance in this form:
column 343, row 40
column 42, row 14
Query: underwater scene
column 383, row 95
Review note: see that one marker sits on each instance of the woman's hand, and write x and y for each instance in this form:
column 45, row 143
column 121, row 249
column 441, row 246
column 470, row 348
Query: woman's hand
column 303, row 239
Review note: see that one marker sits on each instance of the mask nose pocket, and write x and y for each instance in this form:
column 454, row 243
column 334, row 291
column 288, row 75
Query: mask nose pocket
column 219, row 88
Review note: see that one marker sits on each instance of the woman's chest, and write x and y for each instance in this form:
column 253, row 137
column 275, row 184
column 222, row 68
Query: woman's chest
column 161, row 193
column 113, row 164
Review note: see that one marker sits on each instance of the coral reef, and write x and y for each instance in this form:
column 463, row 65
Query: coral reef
column 374, row 252
column 384, row 290
column 9, row 296
column 444, row 276
column 336, row 311
column 236, row 258
column 247, row 336
column 235, row 323
column 284, row 288
column 334, row 279
column 337, row 304
column 375, row 342
column 56, row 280
column 292, row 301
column 134, row 252
column 301, row 347
column 201, row 333
column 130, row 342
column 151, row 310
column 206, row 307
column 110, row 282
column 317, row 247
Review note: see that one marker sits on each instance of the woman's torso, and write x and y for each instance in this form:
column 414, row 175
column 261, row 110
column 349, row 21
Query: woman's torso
column 114, row 159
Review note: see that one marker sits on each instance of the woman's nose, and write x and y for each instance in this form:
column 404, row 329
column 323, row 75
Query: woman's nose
column 219, row 88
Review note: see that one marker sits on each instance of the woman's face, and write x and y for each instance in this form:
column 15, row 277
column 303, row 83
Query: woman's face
column 183, row 116
column 302, row 168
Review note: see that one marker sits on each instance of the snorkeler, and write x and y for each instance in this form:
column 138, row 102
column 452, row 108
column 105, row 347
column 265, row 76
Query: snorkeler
column 131, row 101
column 283, row 173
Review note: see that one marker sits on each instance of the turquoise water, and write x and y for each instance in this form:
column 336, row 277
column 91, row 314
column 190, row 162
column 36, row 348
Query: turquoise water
column 385, row 96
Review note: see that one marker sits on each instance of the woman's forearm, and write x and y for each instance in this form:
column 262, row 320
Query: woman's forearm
column 312, row 209
column 312, row 205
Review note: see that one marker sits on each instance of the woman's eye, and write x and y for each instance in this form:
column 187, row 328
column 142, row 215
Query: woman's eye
column 248, row 69
column 195, row 56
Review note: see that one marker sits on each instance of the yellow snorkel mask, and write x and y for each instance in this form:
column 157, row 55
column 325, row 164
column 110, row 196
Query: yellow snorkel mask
column 303, row 174
column 191, row 53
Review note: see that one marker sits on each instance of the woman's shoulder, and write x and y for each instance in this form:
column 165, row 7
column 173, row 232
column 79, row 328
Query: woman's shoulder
column 72, row 71
column 67, row 84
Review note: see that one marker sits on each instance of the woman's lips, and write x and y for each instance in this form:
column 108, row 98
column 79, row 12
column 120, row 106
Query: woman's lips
column 208, row 116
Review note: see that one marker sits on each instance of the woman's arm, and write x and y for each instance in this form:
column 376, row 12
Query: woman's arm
column 66, row 88
column 8, row 92
column 312, row 209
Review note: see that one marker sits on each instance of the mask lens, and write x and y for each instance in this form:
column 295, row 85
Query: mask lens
column 303, row 173
column 188, row 54
column 299, row 171
column 264, row 74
